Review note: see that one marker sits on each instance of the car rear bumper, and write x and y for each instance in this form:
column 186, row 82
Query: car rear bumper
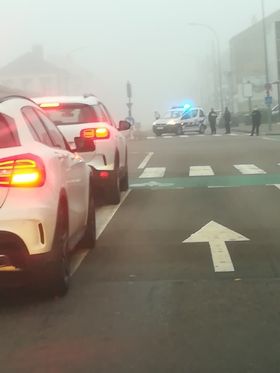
column 15, row 256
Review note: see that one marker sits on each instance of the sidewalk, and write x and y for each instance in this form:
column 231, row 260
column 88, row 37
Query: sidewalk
column 264, row 129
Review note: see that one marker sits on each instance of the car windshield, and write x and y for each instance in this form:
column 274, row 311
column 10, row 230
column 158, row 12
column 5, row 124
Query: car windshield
column 67, row 114
column 173, row 114
column 8, row 133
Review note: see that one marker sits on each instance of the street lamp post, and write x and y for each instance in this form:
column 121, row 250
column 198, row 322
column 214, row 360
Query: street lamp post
column 219, row 59
column 267, row 85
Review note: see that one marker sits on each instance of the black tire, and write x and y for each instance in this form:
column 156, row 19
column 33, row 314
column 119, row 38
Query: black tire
column 157, row 133
column 124, row 186
column 179, row 131
column 202, row 130
column 114, row 190
column 57, row 276
column 89, row 239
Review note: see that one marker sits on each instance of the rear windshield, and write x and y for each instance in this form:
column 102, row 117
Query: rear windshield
column 8, row 133
column 67, row 114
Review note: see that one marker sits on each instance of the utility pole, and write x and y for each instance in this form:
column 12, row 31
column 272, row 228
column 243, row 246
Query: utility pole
column 219, row 59
column 129, row 96
column 268, row 98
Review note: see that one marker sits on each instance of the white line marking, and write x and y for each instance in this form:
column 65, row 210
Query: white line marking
column 168, row 137
column 249, row 169
column 201, row 171
column 145, row 161
column 103, row 217
column 218, row 135
column 153, row 172
column 151, row 138
column 200, row 135
column 277, row 186
column 184, row 136
column 233, row 134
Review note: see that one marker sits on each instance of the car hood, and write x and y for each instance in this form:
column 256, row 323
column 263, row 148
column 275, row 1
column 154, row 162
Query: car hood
column 164, row 121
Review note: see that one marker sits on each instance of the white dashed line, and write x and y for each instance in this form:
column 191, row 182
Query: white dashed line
column 249, row 169
column 153, row 172
column 145, row 161
column 103, row 217
column 201, row 171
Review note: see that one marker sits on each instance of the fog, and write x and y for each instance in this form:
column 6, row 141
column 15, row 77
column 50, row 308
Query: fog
column 147, row 42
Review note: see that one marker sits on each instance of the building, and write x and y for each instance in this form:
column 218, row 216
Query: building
column 33, row 74
column 248, row 69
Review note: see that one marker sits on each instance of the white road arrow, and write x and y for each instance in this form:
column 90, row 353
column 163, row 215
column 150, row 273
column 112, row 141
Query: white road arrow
column 217, row 236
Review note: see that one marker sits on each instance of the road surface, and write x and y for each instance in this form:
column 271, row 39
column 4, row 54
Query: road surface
column 185, row 275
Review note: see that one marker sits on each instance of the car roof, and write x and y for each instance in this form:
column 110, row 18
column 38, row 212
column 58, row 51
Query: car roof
column 86, row 99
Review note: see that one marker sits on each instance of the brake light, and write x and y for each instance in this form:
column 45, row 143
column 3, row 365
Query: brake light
column 100, row 133
column 49, row 105
column 25, row 170
column 104, row 174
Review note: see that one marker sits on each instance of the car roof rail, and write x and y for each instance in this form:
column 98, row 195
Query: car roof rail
column 9, row 97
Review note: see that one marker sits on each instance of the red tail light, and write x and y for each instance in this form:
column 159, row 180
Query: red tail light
column 104, row 174
column 25, row 170
column 101, row 133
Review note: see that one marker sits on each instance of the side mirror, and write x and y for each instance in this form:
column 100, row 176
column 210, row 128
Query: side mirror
column 84, row 145
column 124, row 125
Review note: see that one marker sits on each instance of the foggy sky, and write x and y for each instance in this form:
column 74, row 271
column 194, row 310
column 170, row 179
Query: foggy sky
column 147, row 42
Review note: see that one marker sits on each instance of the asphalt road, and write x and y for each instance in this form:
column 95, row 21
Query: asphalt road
column 185, row 275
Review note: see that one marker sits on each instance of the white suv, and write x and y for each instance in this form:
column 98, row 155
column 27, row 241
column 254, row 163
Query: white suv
column 46, row 199
column 87, row 117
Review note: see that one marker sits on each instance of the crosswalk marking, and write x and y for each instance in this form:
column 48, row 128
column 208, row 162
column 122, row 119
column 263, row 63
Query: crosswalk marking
column 201, row 171
column 249, row 169
column 145, row 161
column 153, row 172
column 150, row 137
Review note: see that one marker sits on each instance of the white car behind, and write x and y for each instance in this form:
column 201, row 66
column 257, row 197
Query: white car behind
column 87, row 116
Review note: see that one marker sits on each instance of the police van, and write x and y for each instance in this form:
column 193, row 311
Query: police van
column 180, row 120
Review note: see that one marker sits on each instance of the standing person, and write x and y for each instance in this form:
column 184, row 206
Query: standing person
column 212, row 118
column 227, row 119
column 256, row 121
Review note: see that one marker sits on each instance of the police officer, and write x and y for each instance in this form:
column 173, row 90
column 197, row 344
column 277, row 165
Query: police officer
column 256, row 121
column 212, row 118
column 227, row 119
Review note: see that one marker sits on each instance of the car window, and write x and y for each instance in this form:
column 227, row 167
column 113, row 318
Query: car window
column 54, row 133
column 201, row 113
column 8, row 133
column 69, row 114
column 173, row 114
column 36, row 126
column 194, row 113
column 106, row 114
column 186, row 115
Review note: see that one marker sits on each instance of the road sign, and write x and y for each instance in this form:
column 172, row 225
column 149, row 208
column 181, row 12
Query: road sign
column 217, row 236
column 268, row 100
column 248, row 90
